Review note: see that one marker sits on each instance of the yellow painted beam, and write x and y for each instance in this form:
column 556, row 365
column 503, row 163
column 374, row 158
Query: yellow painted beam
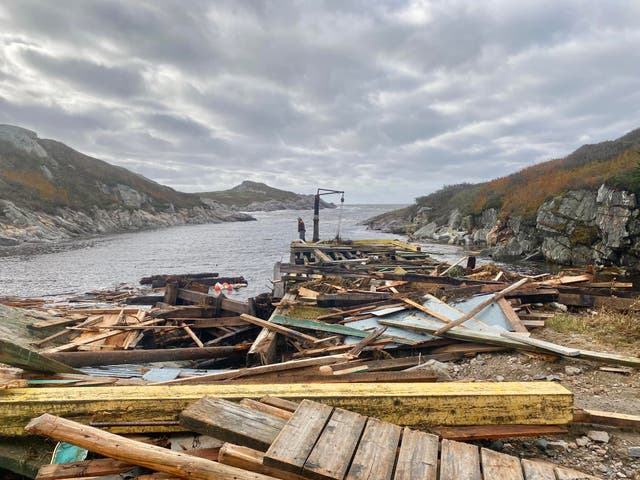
column 411, row 404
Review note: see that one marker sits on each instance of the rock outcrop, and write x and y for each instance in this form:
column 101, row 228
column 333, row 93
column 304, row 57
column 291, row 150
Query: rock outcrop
column 255, row 196
column 50, row 192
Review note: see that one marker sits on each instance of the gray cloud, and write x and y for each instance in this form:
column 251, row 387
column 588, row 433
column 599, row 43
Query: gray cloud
column 388, row 100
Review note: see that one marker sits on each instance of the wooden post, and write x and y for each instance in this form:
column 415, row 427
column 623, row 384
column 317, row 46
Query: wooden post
column 481, row 307
column 136, row 453
column 171, row 293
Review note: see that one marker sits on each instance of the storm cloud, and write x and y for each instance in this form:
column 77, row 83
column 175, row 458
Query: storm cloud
column 388, row 100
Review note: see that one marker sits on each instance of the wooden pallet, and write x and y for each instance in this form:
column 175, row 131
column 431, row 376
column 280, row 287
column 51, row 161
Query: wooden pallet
column 320, row 442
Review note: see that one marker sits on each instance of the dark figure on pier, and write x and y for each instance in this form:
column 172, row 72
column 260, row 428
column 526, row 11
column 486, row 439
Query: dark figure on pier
column 301, row 229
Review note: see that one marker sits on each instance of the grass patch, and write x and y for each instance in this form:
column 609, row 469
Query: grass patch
column 307, row 312
column 610, row 327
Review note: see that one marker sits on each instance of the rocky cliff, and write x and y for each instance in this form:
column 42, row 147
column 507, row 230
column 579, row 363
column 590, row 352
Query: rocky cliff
column 49, row 192
column 254, row 196
column 573, row 211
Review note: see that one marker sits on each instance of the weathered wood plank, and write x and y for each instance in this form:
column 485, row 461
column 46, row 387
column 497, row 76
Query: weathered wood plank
column 571, row 474
column 280, row 403
column 376, row 452
column 137, row 453
column 253, row 461
column 232, row 422
column 536, row 470
column 511, row 316
column 263, row 407
column 87, row 468
column 152, row 406
column 291, row 448
column 474, row 432
column 500, row 466
column 332, row 454
column 22, row 357
column 418, row 457
column 459, row 461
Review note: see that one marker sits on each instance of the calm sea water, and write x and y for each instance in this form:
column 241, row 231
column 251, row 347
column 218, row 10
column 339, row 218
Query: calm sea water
column 231, row 249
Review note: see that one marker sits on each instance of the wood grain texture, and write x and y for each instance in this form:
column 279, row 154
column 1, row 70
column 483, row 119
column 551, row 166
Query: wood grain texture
column 418, row 457
column 252, row 460
column 293, row 445
column 376, row 452
column 136, row 453
column 232, row 422
column 535, row 470
column 500, row 466
column 459, row 461
column 332, row 454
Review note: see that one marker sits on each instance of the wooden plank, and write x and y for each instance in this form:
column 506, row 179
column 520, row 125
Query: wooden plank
column 500, row 466
column 156, row 407
column 332, row 453
column 119, row 357
column 95, row 338
column 571, row 474
column 481, row 306
column 612, row 419
column 137, row 453
column 291, row 448
column 280, row 403
column 475, row 432
column 262, row 369
column 253, row 461
column 265, row 408
column 17, row 356
column 287, row 332
column 538, row 470
column 551, row 347
column 232, row 422
column 459, row 461
column 418, row 457
column 376, row 452
column 329, row 327
column 511, row 316
column 87, row 468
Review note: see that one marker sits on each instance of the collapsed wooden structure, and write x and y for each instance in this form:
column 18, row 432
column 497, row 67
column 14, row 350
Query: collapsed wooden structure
column 353, row 326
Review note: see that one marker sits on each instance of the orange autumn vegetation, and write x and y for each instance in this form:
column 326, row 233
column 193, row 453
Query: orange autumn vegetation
column 37, row 182
column 523, row 192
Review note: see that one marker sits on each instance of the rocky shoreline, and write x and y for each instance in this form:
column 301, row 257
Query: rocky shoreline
column 20, row 225
column 577, row 228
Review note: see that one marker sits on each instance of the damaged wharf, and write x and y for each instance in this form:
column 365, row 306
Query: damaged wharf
column 339, row 373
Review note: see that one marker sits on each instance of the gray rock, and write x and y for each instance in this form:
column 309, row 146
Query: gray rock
column 569, row 370
column 634, row 452
column 438, row 369
column 583, row 441
column 599, row 436
column 497, row 445
column 499, row 378
column 559, row 444
column 541, row 444
column 560, row 307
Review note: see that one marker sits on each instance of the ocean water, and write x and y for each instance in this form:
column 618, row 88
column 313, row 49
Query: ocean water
column 249, row 249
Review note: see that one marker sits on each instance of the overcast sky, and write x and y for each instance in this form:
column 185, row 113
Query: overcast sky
column 386, row 100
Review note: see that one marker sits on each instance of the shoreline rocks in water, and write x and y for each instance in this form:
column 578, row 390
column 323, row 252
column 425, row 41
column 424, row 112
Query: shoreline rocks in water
column 576, row 228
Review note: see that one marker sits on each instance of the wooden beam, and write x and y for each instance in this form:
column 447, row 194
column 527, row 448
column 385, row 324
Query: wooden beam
column 137, row 453
column 287, row 332
column 152, row 406
column 22, row 357
column 260, row 370
column 482, row 306
column 119, row 357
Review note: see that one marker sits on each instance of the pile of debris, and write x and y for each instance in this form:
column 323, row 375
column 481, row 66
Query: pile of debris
column 363, row 325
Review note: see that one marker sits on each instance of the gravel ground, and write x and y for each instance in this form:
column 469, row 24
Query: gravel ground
column 592, row 388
